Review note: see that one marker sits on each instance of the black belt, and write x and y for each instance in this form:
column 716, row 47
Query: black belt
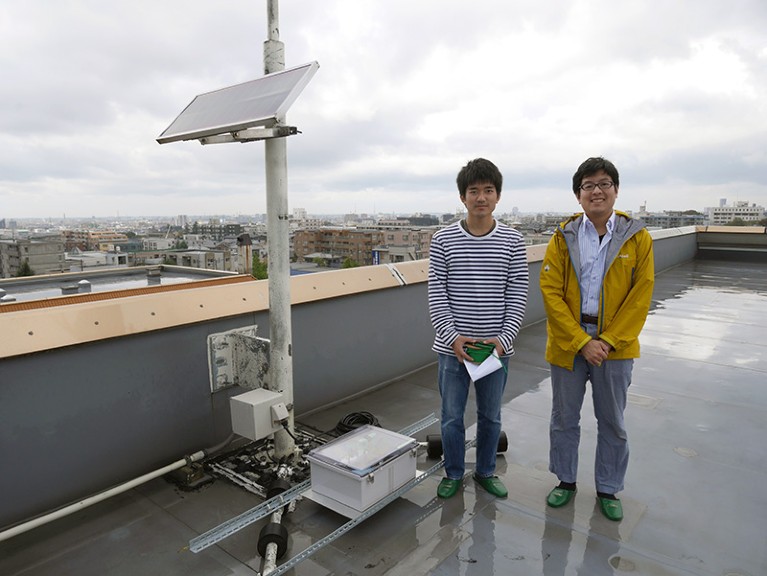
column 586, row 319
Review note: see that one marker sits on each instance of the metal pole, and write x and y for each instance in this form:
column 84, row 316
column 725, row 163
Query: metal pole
column 278, row 245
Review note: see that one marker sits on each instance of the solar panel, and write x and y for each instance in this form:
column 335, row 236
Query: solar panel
column 255, row 103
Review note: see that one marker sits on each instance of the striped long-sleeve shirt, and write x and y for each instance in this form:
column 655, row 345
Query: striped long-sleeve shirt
column 477, row 285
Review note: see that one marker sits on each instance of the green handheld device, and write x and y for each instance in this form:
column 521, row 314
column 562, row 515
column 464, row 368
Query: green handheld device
column 480, row 352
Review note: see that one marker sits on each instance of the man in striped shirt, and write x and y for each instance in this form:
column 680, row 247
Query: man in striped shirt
column 478, row 281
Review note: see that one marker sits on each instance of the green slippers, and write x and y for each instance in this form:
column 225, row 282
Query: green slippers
column 558, row 497
column 448, row 488
column 492, row 485
column 612, row 509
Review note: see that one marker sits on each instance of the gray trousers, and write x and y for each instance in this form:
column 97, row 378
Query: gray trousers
column 609, row 387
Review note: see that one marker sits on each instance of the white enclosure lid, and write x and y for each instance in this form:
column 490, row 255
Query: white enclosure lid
column 363, row 449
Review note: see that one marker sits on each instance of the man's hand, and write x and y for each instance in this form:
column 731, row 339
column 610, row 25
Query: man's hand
column 498, row 346
column 462, row 341
column 595, row 352
column 458, row 350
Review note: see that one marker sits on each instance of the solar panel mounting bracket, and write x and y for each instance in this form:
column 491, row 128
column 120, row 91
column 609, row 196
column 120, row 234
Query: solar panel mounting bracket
column 250, row 135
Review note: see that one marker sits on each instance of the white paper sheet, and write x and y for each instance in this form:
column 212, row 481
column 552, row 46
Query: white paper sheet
column 490, row 365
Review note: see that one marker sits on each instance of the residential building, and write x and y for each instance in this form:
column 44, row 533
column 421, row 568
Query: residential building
column 403, row 245
column 673, row 219
column 218, row 231
column 378, row 245
column 724, row 214
column 301, row 221
column 205, row 259
column 416, row 220
column 335, row 245
column 158, row 243
column 92, row 239
column 306, row 223
column 80, row 260
column 43, row 256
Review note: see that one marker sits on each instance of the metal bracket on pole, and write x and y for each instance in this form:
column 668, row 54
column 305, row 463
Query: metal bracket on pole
column 250, row 135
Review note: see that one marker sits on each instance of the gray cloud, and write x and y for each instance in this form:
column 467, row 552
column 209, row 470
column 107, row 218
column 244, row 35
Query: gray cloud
column 406, row 93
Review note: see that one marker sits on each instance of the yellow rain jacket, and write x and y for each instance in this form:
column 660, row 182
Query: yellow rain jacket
column 624, row 299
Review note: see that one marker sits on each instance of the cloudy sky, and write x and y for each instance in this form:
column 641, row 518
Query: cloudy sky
column 673, row 91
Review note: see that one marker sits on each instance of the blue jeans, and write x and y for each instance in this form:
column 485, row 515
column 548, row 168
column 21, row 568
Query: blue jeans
column 609, row 388
column 454, row 383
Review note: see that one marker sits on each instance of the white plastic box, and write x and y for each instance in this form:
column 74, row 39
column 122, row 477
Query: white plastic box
column 357, row 470
column 252, row 413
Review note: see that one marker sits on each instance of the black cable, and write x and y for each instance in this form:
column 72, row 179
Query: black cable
column 354, row 420
column 285, row 425
column 315, row 434
column 220, row 446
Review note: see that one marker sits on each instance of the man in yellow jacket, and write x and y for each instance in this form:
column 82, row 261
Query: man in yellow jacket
column 597, row 280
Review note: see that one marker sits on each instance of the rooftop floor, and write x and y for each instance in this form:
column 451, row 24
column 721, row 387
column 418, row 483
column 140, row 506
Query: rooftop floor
column 695, row 499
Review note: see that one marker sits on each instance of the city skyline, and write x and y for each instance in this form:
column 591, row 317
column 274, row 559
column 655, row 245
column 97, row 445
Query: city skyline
column 669, row 92
column 255, row 218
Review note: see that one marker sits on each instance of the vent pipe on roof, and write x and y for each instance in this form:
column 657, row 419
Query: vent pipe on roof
column 153, row 276
column 89, row 501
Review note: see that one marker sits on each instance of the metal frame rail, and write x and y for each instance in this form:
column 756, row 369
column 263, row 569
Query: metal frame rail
column 301, row 556
column 268, row 507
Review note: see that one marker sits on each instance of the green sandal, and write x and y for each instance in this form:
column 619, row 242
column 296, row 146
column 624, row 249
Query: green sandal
column 558, row 497
column 493, row 485
column 448, row 488
column 612, row 509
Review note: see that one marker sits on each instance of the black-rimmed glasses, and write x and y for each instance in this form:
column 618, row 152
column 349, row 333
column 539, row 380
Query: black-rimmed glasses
column 589, row 186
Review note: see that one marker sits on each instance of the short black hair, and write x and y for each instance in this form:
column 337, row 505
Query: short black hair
column 477, row 171
column 592, row 166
